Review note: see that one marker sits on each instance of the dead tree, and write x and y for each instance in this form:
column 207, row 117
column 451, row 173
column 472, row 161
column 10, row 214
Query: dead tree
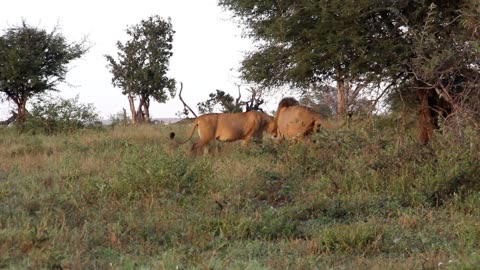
column 229, row 104
column 255, row 101
column 185, row 106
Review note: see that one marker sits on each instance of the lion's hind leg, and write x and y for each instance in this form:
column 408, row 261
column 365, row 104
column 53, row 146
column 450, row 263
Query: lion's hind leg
column 203, row 143
column 206, row 134
column 196, row 147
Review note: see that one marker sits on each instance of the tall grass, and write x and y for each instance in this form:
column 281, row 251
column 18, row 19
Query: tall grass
column 364, row 197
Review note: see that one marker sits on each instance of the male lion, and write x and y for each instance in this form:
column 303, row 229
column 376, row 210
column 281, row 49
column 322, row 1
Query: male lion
column 229, row 127
column 296, row 122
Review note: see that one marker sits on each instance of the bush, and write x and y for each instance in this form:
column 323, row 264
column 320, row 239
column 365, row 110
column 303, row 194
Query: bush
column 54, row 115
column 120, row 118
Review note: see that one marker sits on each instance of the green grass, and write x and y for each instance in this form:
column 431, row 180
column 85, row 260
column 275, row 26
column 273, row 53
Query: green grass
column 365, row 197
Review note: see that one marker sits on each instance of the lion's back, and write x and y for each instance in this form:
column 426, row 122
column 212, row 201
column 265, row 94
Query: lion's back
column 295, row 121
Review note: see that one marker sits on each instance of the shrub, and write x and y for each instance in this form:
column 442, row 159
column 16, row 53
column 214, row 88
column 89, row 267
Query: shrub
column 54, row 115
column 120, row 118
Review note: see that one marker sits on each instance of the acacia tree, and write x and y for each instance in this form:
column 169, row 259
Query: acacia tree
column 32, row 62
column 429, row 48
column 142, row 65
column 308, row 43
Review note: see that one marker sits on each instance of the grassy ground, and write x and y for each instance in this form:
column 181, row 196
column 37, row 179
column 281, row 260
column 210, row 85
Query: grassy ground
column 365, row 197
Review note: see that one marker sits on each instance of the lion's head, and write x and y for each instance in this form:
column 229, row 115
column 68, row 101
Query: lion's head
column 271, row 125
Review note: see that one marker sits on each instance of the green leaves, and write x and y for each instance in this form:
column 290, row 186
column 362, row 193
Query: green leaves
column 305, row 42
column 226, row 102
column 56, row 115
column 379, row 47
column 33, row 61
column 142, row 65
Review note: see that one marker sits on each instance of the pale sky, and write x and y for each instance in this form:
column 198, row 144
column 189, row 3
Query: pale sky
column 207, row 46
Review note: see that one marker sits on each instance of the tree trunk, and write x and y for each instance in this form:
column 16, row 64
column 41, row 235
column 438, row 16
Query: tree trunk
column 146, row 109
column 341, row 97
column 140, row 113
column 425, row 121
column 133, row 118
column 433, row 108
column 21, row 110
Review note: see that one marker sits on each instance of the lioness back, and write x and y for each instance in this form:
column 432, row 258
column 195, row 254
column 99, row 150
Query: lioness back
column 229, row 127
column 232, row 126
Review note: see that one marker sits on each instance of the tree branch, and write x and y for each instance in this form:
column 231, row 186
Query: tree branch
column 237, row 101
column 185, row 104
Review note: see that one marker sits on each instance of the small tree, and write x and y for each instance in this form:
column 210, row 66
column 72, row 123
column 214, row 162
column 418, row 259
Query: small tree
column 142, row 65
column 229, row 104
column 32, row 62
column 226, row 102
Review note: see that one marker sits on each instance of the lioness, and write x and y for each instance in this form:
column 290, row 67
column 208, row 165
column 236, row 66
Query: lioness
column 295, row 121
column 229, row 127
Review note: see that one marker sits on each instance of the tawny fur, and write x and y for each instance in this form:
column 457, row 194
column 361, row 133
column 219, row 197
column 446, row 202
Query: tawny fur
column 295, row 121
column 229, row 127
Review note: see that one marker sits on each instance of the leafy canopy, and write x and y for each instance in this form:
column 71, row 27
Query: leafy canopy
column 142, row 65
column 304, row 42
column 33, row 61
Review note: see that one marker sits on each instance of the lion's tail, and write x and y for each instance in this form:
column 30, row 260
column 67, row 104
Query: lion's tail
column 192, row 130
column 328, row 125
